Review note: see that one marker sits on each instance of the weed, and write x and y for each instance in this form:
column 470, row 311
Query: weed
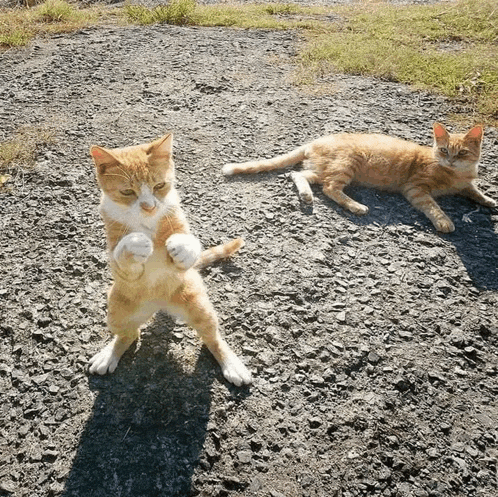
column 21, row 150
column 175, row 12
column 55, row 11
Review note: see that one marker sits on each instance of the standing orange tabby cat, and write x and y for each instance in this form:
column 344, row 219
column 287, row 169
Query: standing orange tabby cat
column 419, row 173
column 153, row 255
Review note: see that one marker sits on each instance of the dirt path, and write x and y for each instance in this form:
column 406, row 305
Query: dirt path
column 373, row 342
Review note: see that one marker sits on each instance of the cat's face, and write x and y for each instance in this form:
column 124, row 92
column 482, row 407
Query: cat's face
column 136, row 180
column 458, row 151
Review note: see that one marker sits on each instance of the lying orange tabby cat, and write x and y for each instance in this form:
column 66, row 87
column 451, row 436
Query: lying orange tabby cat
column 419, row 173
column 153, row 255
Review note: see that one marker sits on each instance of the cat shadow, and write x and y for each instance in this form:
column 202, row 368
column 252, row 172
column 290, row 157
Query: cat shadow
column 149, row 422
column 474, row 237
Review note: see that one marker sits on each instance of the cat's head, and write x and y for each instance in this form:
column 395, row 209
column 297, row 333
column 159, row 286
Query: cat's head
column 136, row 179
column 458, row 151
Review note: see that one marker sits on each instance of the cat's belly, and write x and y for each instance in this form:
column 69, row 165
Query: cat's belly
column 161, row 278
column 379, row 182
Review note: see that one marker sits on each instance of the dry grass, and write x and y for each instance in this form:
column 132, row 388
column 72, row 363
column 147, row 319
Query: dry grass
column 21, row 150
column 19, row 26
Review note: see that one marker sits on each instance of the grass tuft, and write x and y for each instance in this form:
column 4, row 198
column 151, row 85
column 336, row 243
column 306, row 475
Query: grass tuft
column 21, row 150
column 177, row 12
column 56, row 11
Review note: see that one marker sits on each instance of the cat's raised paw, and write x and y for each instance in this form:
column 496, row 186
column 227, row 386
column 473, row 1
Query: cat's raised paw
column 183, row 249
column 138, row 245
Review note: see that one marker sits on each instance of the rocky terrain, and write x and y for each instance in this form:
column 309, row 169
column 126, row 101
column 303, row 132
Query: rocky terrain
column 373, row 342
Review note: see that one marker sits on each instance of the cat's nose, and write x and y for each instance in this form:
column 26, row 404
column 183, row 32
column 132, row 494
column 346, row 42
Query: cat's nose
column 147, row 207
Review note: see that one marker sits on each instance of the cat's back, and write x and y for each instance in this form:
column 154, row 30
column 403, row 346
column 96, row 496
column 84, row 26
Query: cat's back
column 376, row 160
column 367, row 143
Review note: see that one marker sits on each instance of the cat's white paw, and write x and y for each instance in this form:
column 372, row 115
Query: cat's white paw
column 228, row 169
column 235, row 372
column 108, row 358
column 183, row 249
column 359, row 209
column 104, row 361
column 444, row 225
column 138, row 245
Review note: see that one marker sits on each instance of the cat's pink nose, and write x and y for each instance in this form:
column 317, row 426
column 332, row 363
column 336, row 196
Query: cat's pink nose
column 147, row 207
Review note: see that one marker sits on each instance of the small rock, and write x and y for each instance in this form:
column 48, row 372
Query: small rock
column 244, row 456
column 341, row 317
column 373, row 358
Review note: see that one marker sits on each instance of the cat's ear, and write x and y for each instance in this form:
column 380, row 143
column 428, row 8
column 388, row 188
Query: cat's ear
column 162, row 148
column 440, row 132
column 103, row 158
column 475, row 133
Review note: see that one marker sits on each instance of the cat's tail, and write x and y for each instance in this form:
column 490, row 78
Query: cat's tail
column 222, row 251
column 279, row 162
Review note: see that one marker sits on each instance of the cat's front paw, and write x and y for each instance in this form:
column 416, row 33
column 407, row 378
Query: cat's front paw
column 184, row 250
column 358, row 209
column 444, row 225
column 136, row 246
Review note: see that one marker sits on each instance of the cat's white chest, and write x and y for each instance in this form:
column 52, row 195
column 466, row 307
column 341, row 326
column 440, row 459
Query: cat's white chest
column 134, row 218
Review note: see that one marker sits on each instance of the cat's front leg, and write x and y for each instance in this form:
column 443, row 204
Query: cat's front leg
column 424, row 202
column 132, row 252
column 474, row 194
column 184, row 249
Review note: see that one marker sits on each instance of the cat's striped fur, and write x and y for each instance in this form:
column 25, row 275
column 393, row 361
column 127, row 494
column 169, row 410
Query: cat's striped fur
column 419, row 173
column 153, row 255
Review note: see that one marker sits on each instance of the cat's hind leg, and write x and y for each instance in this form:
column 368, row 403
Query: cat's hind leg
column 124, row 319
column 192, row 304
column 302, row 180
column 333, row 188
column 423, row 201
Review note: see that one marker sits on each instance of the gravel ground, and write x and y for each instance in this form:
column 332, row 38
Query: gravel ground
column 372, row 341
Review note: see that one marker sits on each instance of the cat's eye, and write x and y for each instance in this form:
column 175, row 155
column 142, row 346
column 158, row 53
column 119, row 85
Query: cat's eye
column 463, row 152
column 127, row 193
column 444, row 151
column 159, row 186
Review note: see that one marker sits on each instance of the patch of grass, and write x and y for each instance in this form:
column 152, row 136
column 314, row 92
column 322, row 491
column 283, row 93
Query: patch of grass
column 56, row 11
column 448, row 48
column 19, row 26
column 282, row 8
column 257, row 16
column 21, row 150
column 175, row 12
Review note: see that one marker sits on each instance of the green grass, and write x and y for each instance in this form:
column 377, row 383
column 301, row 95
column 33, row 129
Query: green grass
column 256, row 16
column 20, row 25
column 449, row 48
column 175, row 12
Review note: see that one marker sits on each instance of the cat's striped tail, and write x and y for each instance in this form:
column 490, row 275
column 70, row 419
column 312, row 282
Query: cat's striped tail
column 279, row 162
column 222, row 251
